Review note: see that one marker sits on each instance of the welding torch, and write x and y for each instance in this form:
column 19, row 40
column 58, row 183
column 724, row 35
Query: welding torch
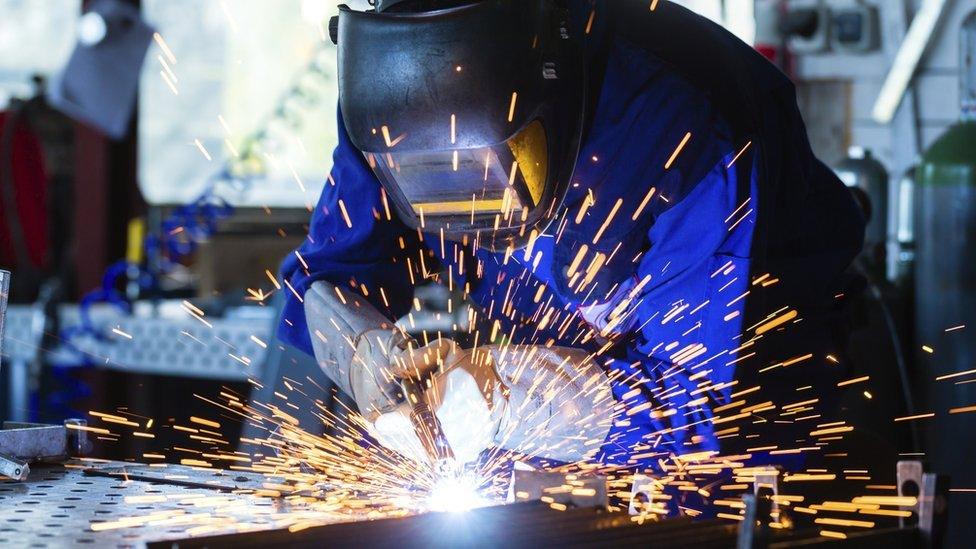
column 428, row 427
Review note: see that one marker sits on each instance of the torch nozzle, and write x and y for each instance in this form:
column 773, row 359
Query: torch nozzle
column 428, row 427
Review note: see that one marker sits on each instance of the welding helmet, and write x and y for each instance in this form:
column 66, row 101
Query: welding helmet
column 469, row 112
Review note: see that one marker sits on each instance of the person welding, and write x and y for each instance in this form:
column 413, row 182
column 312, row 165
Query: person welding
column 622, row 189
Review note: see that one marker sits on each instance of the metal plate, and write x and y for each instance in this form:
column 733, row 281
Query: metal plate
column 58, row 505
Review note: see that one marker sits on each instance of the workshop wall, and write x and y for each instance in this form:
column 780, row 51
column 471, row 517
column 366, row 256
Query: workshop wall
column 936, row 90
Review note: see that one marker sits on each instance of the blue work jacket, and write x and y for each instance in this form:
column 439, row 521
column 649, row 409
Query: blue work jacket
column 706, row 219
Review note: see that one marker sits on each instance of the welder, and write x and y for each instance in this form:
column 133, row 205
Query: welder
column 623, row 190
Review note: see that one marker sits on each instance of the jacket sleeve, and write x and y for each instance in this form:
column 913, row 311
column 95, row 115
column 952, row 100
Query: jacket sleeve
column 688, row 312
column 354, row 239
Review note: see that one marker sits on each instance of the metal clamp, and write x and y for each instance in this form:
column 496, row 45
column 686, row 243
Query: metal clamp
column 930, row 511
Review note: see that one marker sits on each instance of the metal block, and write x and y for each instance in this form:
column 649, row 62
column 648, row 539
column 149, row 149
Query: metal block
column 43, row 442
column 33, row 441
column 24, row 443
column 552, row 487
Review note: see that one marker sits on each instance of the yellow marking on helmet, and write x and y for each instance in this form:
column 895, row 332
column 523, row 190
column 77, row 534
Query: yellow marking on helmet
column 463, row 206
column 531, row 152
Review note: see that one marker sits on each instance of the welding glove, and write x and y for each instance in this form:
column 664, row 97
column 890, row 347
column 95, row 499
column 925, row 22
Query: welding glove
column 553, row 403
column 355, row 346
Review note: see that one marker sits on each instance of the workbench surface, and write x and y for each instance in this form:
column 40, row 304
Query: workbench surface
column 77, row 505
column 87, row 503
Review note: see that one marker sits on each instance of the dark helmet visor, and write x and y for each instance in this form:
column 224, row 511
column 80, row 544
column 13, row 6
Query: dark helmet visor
column 470, row 116
column 508, row 180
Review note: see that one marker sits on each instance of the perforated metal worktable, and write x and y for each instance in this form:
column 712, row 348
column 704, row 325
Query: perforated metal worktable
column 74, row 505
column 59, row 504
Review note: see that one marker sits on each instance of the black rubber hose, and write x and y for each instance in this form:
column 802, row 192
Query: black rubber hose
column 900, row 361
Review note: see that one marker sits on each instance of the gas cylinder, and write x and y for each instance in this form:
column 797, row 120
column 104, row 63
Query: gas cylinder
column 945, row 295
column 868, row 178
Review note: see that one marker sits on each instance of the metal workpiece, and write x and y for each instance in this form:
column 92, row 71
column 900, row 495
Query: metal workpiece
column 529, row 525
column 43, row 442
column 24, row 443
column 535, row 524
column 765, row 488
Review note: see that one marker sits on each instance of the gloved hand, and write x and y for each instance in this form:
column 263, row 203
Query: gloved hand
column 356, row 346
column 545, row 402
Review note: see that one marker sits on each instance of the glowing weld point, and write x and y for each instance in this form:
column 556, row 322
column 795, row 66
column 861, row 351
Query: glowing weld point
column 456, row 493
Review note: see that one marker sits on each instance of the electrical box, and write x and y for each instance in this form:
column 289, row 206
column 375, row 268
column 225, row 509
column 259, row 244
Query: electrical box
column 855, row 29
column 807, row 24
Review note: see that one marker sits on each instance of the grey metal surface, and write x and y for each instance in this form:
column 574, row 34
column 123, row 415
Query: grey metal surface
column 58, row 506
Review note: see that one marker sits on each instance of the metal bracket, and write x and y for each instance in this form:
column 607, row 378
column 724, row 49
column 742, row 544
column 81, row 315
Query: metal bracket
column 766, row 486
column 642, row 494
column 13, row 468
column 761, row 507
column 930, row 511
column 754, row 528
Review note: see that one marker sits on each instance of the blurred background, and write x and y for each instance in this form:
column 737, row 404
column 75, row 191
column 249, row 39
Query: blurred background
column 158, row 159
